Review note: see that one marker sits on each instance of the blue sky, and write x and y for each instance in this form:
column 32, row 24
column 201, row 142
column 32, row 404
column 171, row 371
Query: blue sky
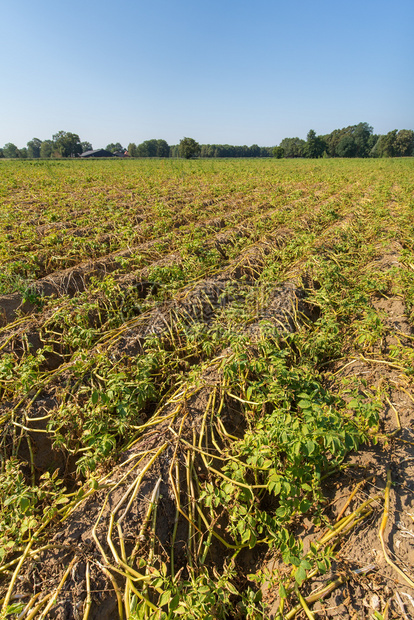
column 220, row 71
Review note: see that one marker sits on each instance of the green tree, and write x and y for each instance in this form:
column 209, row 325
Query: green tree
column 67, row 144
column 265, row 151
column 388, row 143
column 175, row 150
column 332, row 141
column 404, row 143
column 189, row 148
column 385, row 146
column 315, row 145
column 362, row 138
column 163, row 150
column 153, row 148
column 148, row 148
column 86, row 146
column 132, row 149
column 46, row 149
column 278, row 152
column 204, row 150
column 114, row 148
column 372, row 140
column 346, row 147
column 254, row 150
column 10, row 150
column 33, row 148
column 360, row 144
column 377, row 148
column 293, row 147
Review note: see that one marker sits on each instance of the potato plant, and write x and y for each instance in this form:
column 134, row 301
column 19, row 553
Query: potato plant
column 172, row 335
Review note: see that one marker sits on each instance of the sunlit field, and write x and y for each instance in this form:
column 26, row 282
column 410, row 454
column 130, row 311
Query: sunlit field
column 206, row 388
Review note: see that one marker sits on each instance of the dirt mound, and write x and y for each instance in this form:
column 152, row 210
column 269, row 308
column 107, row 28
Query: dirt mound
column 201, row 301
column 75, row 280
column 145, row 511
column 374, row 556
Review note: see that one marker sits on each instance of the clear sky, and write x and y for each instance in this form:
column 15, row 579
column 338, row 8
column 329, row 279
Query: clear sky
column 219, row 71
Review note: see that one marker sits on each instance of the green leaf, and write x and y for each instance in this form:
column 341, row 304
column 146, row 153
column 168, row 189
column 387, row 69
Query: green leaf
column 275, row 487
column 62, row 500
column 353, row 404
column 313, row 548
column 304, row 505
column 286, row 557
column 349, row 441
column 281, row 511
column 310, row 446
column 157, row 583
column 164, row 599
column 24, row 504
column 305, row 404
column 231, row 588
column 245, row 536
column 174, row 603
column 180, row 610
column 294, row 560
column 15, row 608
column 300, row 575
column 95, row 397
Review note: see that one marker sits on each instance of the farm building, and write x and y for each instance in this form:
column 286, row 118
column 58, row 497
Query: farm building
column 97, row 153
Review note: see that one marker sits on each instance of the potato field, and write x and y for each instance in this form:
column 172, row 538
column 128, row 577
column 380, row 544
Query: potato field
column 206, row 384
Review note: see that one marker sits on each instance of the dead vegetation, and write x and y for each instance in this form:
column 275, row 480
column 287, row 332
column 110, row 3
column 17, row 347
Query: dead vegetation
column 215, row 423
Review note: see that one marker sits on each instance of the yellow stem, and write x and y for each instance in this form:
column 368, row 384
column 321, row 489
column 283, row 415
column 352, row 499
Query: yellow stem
column 14, row 578
column 116, row 589
column 397, row 415
column 39, row 605
column 88, row 601
column 383, row 525
column 302, row 601
column 58, row 589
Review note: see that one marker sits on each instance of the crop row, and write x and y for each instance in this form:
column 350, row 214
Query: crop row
column 52, row 218
column 186, row 400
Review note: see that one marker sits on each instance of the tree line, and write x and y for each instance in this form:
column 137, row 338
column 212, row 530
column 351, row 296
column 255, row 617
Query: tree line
column 62, row 144
column 352, row 141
